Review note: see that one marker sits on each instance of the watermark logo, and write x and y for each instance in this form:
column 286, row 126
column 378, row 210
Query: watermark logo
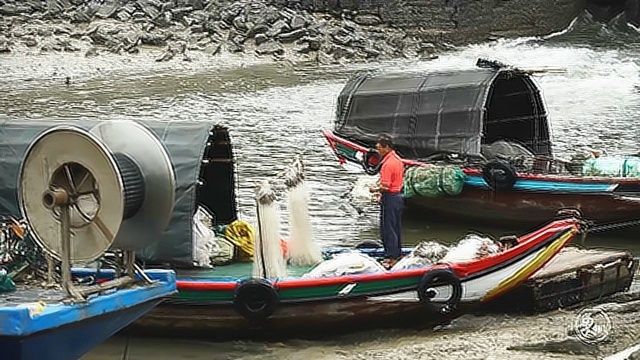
column 592, row 325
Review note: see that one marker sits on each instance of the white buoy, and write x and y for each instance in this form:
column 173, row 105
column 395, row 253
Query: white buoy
column 268, row 260
column 302, row 250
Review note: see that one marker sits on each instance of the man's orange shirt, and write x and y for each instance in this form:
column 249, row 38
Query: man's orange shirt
column 392, row 172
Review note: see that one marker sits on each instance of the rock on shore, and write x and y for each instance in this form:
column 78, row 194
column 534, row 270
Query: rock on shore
column 278, row 29
column 180, row 26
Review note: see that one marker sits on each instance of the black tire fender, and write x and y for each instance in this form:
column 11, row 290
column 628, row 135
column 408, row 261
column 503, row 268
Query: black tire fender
column 435, row 278
column 371, row 162
column 499, row 174
column 255, row 299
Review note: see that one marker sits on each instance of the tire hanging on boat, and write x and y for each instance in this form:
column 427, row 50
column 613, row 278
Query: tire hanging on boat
column 499, row 174
column 255, row 299
column 371, row 162
column 436, row 278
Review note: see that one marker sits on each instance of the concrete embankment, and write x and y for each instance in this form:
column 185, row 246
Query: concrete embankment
column 326, row 31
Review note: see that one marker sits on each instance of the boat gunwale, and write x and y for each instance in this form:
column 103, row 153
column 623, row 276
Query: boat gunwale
column 470, row 171
column 465, row 271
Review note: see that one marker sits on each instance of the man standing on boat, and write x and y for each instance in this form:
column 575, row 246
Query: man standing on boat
column 391, row 201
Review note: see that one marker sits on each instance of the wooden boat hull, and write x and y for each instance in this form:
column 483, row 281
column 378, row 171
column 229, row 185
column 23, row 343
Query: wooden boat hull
column 209, row 308
column 480, row 205
column 313, row 319
column 576, row 276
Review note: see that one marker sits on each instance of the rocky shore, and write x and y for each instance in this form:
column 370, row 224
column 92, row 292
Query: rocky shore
column 545, row 336
column 262, row 28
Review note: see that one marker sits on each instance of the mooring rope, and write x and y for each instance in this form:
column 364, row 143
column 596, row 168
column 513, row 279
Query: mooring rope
column 618, row 225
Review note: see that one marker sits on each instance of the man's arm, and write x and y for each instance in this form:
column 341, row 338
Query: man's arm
column 380, row 187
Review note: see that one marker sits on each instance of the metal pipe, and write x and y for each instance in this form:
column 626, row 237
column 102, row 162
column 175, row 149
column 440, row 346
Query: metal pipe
column 65, row 244
column 111, row 284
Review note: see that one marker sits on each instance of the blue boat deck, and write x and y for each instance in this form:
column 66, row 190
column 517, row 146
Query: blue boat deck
column 39, row 324
column 29, row 294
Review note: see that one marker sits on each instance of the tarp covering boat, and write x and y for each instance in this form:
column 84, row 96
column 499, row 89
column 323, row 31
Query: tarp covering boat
column 200, row 153
column 453, row 112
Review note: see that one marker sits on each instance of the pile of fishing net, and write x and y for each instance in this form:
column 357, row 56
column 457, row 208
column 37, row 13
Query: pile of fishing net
column 347, row 263
column 433, row 180
column 471, row 247
column 505, row 149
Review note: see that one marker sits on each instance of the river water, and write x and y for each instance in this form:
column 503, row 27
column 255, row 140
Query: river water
column 275, row 111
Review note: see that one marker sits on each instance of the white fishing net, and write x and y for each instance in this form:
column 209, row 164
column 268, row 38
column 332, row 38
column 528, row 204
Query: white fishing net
column 268, row 260
column 471, row 247
column 302, row 249
column 425, row 253
column 348, row 263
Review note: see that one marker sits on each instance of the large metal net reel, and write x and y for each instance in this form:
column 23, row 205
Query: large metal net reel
column 85, row 192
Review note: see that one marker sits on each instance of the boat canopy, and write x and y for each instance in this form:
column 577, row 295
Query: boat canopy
column 201, row 156
column 451, row 112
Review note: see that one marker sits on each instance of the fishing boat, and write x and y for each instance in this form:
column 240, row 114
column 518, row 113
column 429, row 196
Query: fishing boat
column 278, row 294
column 227, row 301
column 80, row 199
column 491, row 124
column 190, row 165
column 41, row 324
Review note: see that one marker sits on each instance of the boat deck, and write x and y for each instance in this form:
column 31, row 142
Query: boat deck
column 32, row 309
column 232, row 271
column 25, row 294
column 574, row 277
column 573, row 257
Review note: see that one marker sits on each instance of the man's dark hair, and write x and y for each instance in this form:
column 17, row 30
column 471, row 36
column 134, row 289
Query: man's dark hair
column 385, row 140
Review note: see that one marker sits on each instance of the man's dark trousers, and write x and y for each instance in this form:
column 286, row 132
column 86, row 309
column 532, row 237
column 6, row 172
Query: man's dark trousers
column 391, row 206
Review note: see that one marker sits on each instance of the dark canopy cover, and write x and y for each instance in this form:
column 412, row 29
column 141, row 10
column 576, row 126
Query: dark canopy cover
column 455, row 111
column 186, row 143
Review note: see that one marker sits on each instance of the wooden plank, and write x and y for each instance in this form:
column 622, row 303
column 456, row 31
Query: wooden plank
column 572, row 258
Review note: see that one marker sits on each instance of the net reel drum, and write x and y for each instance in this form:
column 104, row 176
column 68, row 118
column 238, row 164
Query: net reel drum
column 85, row 192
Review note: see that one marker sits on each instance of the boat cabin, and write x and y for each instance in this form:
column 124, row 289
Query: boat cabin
column 455, row 111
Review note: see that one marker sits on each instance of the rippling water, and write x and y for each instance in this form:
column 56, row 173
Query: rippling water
column 277, row 111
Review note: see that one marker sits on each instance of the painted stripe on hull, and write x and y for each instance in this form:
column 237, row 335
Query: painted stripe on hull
column 525, row 272
column 542, row 185
column 497, row 283
column 491, row 285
